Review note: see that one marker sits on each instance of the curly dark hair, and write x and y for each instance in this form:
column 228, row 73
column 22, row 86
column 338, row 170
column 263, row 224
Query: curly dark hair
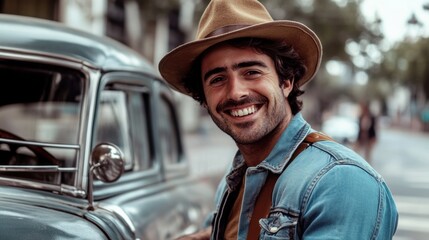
column 287, row 62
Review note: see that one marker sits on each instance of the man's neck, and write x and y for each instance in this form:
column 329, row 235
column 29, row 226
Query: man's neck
column 255, row 153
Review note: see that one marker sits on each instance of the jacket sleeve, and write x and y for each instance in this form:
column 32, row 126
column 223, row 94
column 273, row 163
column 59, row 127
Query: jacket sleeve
column 347, row 202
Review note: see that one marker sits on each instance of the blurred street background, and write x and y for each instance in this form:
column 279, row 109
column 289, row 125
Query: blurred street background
column 376, row 54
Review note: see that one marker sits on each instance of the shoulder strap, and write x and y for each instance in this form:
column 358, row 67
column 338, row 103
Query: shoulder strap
column 263, row 201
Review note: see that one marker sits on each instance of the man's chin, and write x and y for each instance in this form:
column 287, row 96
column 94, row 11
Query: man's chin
column 245, row 139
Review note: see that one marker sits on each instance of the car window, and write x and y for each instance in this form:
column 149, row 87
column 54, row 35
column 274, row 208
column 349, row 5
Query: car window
column 142, row 139
column 40, row 103
column 168, row 133
column 112, row 122
column 123, row 120
column 40, row 108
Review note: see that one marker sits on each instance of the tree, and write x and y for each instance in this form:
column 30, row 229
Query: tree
column 337, row 23
column 406, row 65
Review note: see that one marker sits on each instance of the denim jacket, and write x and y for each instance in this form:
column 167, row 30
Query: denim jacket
column 326, row 192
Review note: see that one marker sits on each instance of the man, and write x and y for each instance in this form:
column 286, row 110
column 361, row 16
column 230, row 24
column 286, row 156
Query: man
column 247, row 70
column 367, row 135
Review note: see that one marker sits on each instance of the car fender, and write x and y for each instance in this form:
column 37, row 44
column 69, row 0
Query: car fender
column 22, row 221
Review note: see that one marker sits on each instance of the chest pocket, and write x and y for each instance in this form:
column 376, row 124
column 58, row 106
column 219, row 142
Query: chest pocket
column 278, row 225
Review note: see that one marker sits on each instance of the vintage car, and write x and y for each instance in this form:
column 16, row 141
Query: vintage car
column 90, row 143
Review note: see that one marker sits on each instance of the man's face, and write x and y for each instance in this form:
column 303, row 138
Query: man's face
column 243, row 95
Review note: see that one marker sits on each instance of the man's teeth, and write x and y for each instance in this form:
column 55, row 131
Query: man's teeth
column 243, row 112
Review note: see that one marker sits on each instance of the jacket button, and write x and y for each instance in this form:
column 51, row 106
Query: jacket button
column 274, row 229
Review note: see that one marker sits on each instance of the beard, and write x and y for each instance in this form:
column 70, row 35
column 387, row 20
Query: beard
column 253, row 131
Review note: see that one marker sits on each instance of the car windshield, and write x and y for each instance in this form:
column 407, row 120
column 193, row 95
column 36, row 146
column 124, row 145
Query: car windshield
column 40, row 108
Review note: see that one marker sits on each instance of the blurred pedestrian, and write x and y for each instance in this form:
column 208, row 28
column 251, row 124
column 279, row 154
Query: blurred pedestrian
column 424, row 117
column 367, row 135
column 247, row 69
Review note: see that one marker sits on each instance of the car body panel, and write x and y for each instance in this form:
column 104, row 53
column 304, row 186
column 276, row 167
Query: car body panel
column 21, row 221
column 27, row 215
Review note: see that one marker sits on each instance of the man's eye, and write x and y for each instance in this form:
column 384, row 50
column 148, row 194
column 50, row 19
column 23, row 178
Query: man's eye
column 215, row 80
column 252, row 73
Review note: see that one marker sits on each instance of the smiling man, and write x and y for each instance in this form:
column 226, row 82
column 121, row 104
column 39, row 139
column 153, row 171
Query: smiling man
column 287, row 181
column 244, row 99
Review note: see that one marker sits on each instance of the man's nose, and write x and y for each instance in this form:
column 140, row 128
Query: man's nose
column 237, row 88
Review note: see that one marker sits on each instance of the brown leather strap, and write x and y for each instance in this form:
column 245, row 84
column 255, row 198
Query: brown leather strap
column 263, row 201
column 262, row 206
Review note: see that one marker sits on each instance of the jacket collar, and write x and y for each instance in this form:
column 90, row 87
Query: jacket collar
column 279, row 157
column 290, row 139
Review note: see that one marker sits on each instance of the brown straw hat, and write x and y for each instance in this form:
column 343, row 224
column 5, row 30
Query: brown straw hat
column 229, row 19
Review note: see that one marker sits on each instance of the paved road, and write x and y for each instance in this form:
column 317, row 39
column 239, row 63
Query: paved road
column 402, row 157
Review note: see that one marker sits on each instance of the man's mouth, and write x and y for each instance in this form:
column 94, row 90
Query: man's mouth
column 243, row 111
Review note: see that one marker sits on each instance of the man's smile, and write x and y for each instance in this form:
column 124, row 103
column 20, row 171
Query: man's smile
column 243, row 111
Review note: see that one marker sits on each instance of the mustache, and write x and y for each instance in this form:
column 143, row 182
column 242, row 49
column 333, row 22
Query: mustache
column 231, row 103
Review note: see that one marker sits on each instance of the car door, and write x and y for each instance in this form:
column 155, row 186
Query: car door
column 154, row 197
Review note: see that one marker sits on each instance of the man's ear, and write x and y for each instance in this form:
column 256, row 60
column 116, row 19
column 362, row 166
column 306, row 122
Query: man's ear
column 287, row 86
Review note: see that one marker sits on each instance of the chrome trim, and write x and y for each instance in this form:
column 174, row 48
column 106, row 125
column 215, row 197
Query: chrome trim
column 42, row 57
column 72, row 191
column 125, row 87
column 121, row 213
column 40, row 144
column 86, row 128
column 62, row 189
column 30, row 168
column 31, row 184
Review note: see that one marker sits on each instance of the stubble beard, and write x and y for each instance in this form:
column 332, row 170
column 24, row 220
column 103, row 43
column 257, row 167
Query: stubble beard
column 253, row 132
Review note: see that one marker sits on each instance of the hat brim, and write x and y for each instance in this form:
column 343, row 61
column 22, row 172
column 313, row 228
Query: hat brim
column 177, row 63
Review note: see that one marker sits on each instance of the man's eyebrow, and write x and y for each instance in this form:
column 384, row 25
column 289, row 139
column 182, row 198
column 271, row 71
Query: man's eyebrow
column 249, row 64
column 213, row 71
column 234, row 67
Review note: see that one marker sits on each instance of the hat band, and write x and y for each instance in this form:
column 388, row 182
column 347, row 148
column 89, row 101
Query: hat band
column 225, row 29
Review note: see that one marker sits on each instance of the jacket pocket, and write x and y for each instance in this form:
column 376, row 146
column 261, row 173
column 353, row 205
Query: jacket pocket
column 278, row 226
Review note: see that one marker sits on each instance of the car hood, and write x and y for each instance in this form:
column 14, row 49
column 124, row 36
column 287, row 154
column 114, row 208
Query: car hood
column 22, row 221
